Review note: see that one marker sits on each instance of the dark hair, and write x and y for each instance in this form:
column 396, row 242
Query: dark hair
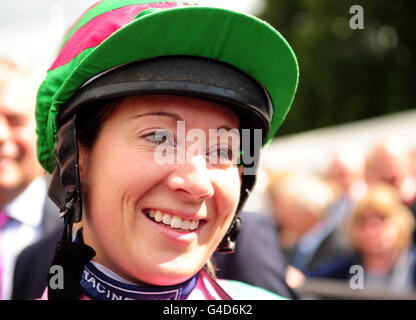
column 90, row 119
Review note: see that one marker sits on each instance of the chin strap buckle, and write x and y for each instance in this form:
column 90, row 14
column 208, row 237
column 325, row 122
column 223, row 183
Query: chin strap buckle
column 69, row 205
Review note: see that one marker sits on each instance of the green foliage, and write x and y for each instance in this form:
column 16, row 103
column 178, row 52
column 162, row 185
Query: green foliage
column 346, row 74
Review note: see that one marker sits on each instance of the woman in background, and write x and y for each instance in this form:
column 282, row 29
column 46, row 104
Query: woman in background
column 380, row 230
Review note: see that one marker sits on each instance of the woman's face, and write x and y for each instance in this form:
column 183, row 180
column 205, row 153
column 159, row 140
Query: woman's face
column 375, row 234
column 127, row 189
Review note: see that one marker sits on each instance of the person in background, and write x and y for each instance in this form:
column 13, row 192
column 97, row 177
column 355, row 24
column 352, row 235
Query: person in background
column 258, row 259
column 390, row 161
column 300, row 201
column 413, row 161
column 380, row 230
column 347, row 170
column 25, row 212
column 413, row 170
column 33, row 266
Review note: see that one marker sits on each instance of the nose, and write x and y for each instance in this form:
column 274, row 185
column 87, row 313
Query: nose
column 192, row 180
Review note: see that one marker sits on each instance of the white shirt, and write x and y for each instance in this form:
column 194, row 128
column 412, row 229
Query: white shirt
column 22, row 229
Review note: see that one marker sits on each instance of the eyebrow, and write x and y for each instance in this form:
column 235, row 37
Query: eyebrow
column 227, row 128
column 175, row 117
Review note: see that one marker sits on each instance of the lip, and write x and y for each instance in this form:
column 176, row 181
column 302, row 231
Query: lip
column 182, row 236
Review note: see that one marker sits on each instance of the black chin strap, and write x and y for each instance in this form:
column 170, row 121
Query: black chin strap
column 65, row 191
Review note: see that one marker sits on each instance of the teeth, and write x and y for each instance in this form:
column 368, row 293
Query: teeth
column 167, row 218
column 158, row 215
column 185, row 224
column 194, row 225
column 173, row 221
column 176, row 222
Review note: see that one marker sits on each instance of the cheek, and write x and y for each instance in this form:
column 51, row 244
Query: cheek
column 359, row 237
column 24, row 143
column 119, row 179
column 28, row 136
column 227, row 194
column 390, row 234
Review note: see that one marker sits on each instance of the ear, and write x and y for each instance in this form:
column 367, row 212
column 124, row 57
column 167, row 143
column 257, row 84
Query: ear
column 240, row 173
column 240, row 170
column 83, row 155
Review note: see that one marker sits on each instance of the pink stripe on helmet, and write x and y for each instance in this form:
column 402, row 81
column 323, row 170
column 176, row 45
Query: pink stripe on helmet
column 89, row 35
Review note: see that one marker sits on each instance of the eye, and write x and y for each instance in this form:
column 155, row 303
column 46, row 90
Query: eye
column 220, row 155
column 160, row 136
column 17, row 120
column 225, row 153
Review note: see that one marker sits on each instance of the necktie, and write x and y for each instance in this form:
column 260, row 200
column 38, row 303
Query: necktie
column 3, row 220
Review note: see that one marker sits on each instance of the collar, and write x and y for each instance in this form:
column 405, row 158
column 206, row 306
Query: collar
column 27, row 207
column 98, row 286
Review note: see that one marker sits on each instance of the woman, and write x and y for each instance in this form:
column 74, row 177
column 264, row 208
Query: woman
column 152, row 110
column 380, row 229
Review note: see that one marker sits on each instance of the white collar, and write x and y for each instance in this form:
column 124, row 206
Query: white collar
column 111, row 274
column 27, row 207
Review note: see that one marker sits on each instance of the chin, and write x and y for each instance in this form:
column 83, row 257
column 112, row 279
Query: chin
column 171, row 275
column 168, row 274
column 10, row 182
column 164, row 278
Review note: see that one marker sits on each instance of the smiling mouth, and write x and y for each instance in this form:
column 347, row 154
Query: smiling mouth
column 174, row 222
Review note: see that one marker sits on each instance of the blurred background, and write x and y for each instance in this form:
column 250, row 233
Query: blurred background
column 352, row 125
column 347, row 75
